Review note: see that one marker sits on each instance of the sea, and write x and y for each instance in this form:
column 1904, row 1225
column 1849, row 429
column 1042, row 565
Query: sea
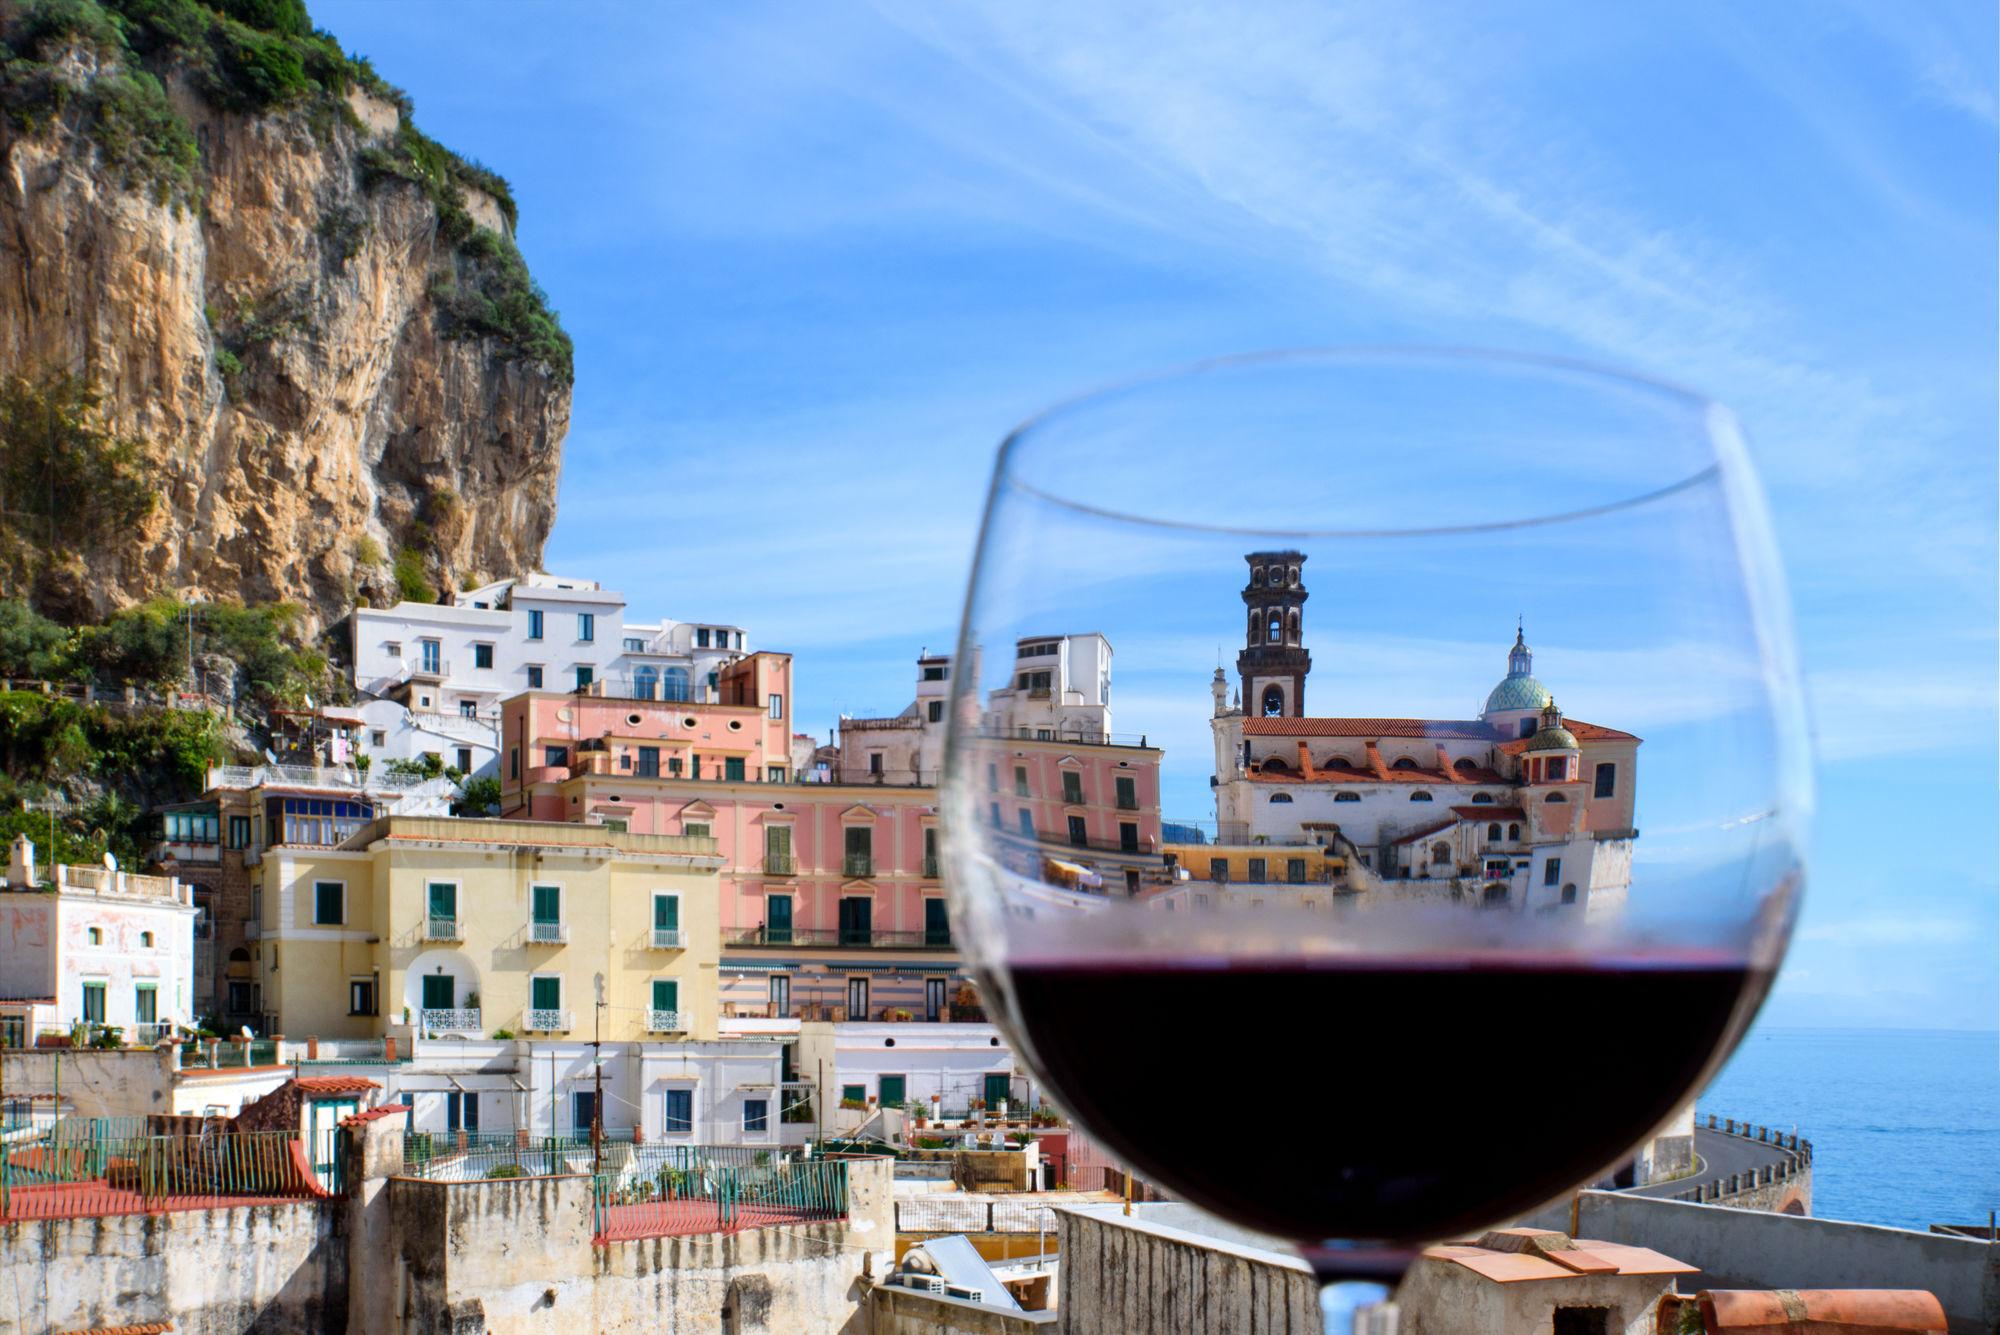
column 1905, row 1123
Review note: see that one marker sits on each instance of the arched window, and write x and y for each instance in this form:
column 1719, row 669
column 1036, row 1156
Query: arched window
column 1277, row 798
column 1256, row 577
column 1466, row 765
column 1292, row 576
column 1292, row 626
column 96, row 936
column 1404, row 762
column 1274, row 701
column 1420, row 796
column 674, row 684
column 1255, row 617
column 1569, row 893
column 1275, row 628
column 1513, row 832
column 1482, row 799
column 1347, row 797
column 1493, row 832
column 1558, row 769
column 1496, row 893
column 646, row 682
column 1274, row 765
column 1336, row 762
column 1555, row 797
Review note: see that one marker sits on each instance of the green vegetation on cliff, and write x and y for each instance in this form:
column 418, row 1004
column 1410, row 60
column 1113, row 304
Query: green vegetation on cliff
column 254, row 57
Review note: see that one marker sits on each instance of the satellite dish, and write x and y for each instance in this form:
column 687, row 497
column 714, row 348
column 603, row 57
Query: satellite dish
column 245, row 1031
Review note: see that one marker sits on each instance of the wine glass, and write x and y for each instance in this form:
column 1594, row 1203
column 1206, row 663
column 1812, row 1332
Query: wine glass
column 1449, row 830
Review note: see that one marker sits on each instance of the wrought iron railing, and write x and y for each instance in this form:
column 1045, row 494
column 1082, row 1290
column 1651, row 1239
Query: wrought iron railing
column 548, row 933
column 457, row 1020
column 669, row 938
column 440, row 928
column 82, row 1168
column 667, row 1022
column 872, row 938
column 661, row 1191
column 857, row 864
column 546, row 1020
column 930, row 872
column 780, row 864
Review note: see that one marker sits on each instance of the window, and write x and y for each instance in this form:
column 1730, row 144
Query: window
column 1495, row 893
column 1555, row 797
column 1281, row 799
column 937, row 923
column 361, row 996
column 442, row 901
column 329, row 903
column 934, row 672
column 774, row 774
column 674, row 684
column 1274, row 701
column 774, row 705
column 857, row 998
column 239, row 999
column 1274, row 629
column 701, row 637
column 468, row 709
column 586, row 626
column 145, row 940
column 649, row 762
column 1513, row 832
column 1295, row 870
column 1072, row 784
column 756, row 1113
column 545, row 992
column 696, row 829
column 465, row 760
column 1078, row 835
column 545, row 909
column 1027, row 820
column 95, row 936
column 855, row 1094
column 93, row 1003
column 394, row 648
column 1420, row 796
column 514, row 762
column 666, row 994
column 859, row 846
column 1128, row 837
column 674, row 766
column 555, row 755
column 482, row 655
column 534, row 676
column 431, row 655
column 585, row 674
column 856, row 920
column 1020, row 780
column 993, row 810
column 1552, row 871
column 1493, row 832
column 1569, row 893
column 1527, row 727
column 1255, row 873
column 666, row 918
column 1128, row 793
column 680, row 1112
column 461, row 1111
column 1218, row 870
column 1558, row 769
column 377, row 737
column 1482, row 799
column 534, row 623
column 732, row 769
column 894, row 1090
column 1581, row 1321
column 1607, row 780
column 934, row 711
column 1404, row 762
column 145, row 1003
column 1347, row 797
column 781, row 995
column 778, row 920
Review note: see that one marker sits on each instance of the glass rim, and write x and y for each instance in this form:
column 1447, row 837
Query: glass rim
column 1718, row 420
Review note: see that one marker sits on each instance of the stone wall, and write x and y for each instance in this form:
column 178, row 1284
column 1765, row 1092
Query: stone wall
column 1759, row 1249
column 117, row 1082
column 1123, row 1274
column 270, row 1267
column 894, row 1310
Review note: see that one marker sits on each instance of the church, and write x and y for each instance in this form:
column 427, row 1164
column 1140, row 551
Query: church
column 1517, row 807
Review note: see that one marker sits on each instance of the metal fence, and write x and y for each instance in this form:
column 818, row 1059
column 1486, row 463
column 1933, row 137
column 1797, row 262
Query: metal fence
column 79, row 1170
column 464, row 1156
column 946, row 1213
column 652, row 1197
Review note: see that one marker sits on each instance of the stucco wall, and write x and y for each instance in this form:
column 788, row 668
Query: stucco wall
column 894, row 1310
column 1759, row 1249
column 1120, row 1277
column 1444, row 1298
column 272, row 1267
column 94, row 1083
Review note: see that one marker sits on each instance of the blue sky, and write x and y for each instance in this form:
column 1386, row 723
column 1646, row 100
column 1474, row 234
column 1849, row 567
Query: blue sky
column 825, row 255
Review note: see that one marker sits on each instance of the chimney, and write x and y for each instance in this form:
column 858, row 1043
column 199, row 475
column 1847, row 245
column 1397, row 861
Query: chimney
column 21, row 862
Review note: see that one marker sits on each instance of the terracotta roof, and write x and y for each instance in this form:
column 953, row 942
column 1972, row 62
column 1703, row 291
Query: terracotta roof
column 1779, row 1310
column 1427, row 777
column 1429, row 830
column 1464, row 730
column 145, row 1328
column 375, row 1114
column 1510, row 1255
column 335, row 1084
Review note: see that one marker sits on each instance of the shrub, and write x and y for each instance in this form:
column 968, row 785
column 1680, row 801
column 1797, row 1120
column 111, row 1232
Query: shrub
column 410, row 579
column 478, row 797
column 31, row 645
column 367, row 551
column 60, row 464
column 500, row 1170
column 108, row 1037
column 503, row 1033
column 139, row 131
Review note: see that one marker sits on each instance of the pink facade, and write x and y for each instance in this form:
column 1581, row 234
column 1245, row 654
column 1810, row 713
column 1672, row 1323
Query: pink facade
column 1101, row 803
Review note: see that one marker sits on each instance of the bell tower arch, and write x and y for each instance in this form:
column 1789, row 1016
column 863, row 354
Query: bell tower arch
column 1274, row 662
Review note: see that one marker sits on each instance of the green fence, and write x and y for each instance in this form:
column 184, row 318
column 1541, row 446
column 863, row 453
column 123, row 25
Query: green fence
column 81, row 1170
column 665, row 1201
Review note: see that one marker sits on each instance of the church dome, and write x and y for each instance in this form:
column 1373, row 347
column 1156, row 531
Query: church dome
column 1557, row 738
column 1517, row 692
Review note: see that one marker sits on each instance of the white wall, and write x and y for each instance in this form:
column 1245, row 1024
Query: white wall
column 948, row 1060
column 45, row 948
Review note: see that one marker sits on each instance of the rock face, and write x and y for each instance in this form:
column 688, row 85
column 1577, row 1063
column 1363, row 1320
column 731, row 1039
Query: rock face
column 281, row 339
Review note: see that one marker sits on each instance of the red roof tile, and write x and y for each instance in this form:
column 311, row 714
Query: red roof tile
column 1464, row 730
column 1780, row 1310
column 335, row 1084
column 145, row 1328
column 1429, row 830
column 375, row 1114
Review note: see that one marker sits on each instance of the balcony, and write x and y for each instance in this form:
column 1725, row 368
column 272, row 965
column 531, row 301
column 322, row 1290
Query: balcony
column 542, row 1020
column 148, row 1032
column 1127, row 803
column 548, row 933
column 858, row 864
column 438, row 928
column 668, row 1022
column 850, row 938
column 780, row 864
column 669, row 938
column 430, row 669
column 930, row 872
column 455, row 1021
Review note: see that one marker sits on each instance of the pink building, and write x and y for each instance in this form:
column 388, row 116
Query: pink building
column 1090, row 803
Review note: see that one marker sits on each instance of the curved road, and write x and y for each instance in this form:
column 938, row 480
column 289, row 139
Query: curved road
column 1718, row 1154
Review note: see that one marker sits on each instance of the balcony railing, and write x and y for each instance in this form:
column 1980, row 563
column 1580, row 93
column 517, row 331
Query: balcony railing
column 824, row 938
column 548, row 933
column 667, row 1022
column 780, row 864
column 669, row 938
column 541, row 1020
column 858, row 864
column 930, row 872
column 437, row 928
column 148, row 1032
column 456, row 1021
column 1128, row 803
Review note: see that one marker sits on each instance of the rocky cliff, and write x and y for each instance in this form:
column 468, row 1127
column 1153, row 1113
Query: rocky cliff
column 309, row 320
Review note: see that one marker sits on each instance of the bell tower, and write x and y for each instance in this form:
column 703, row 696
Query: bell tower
column 1274, row 661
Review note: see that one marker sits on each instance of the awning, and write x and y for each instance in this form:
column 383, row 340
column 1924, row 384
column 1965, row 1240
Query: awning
column 1082, row 873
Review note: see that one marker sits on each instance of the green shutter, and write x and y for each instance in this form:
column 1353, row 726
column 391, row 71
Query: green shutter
column 667, row 912
column 892, row 1087
column 444, row 899
column 440, row 992
column 666, row 994
column 546, row 994
column 732, row 769
column 548, row 903
column 996, row 1089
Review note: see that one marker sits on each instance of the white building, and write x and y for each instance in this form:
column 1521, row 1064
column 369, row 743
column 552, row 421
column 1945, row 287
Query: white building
column 94, row 947
column 907, row 748
column 432, row 676
column 1060, row 688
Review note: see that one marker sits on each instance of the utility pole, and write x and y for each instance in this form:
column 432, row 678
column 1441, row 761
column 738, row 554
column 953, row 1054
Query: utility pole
column 597, row 1071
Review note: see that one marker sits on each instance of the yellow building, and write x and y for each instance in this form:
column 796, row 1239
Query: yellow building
column 477, row 927
column 1258, row 863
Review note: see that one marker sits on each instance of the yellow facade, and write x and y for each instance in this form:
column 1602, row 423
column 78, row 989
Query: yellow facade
column 1259, row 864
column 349, row 930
